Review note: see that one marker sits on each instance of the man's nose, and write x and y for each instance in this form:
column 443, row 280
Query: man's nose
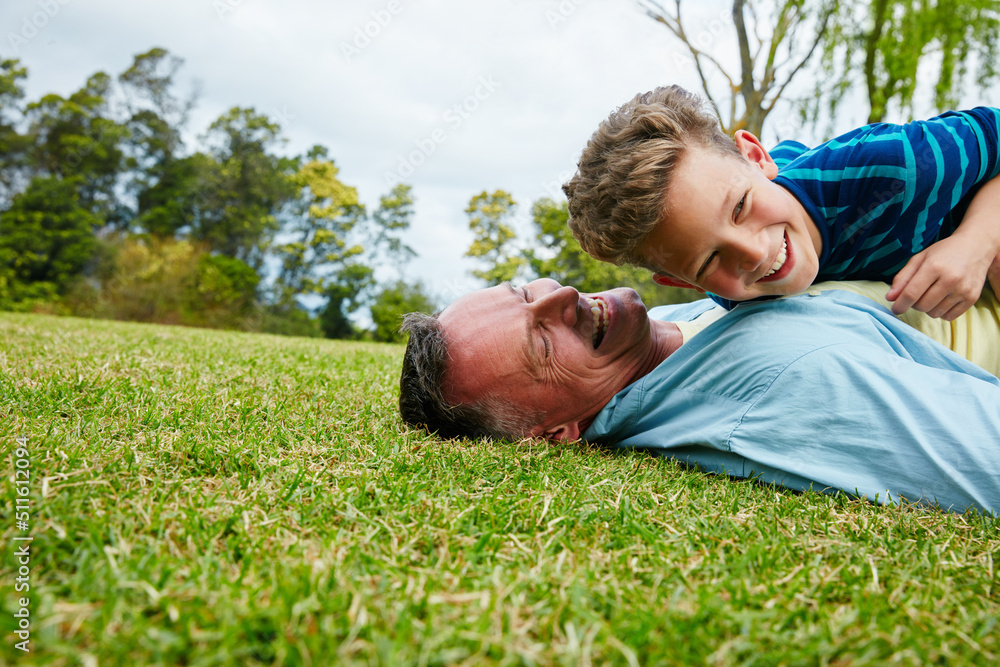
column 561, row 304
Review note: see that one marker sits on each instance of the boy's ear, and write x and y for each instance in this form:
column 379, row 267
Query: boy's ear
column 669, row 281
column 755, row 153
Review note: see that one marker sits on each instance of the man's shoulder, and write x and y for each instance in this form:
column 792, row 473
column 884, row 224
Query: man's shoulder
column 838, row 323
column 738, row 354
column 815, row 313
column 733, row 364
column 759, row 339
column 680, row 312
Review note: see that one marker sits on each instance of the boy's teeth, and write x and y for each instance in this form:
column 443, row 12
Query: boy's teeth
column 779, row 261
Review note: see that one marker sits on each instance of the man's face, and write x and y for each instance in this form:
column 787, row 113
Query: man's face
column 730, row 230
column 543, row 347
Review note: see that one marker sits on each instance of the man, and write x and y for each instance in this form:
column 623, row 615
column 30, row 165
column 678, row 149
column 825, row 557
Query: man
column 825, row 390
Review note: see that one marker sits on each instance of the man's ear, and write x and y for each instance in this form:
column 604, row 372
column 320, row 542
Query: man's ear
column 668, row 281
column 755, row 153
column 567, row 432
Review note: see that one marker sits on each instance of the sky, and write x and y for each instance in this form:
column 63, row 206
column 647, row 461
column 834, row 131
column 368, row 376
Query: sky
column 453, row 97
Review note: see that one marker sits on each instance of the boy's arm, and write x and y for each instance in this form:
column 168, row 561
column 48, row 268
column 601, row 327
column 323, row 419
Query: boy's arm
column 947, row 278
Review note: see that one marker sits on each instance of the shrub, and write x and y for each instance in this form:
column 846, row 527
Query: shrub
column 392, row 303
column 170, row 282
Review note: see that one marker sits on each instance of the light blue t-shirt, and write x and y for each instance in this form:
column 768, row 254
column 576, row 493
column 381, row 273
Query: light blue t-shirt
column 829, row 392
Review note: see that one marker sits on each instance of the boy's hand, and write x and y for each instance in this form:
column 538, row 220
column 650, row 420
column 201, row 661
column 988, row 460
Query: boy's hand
column 993, row 275
column 944, row 280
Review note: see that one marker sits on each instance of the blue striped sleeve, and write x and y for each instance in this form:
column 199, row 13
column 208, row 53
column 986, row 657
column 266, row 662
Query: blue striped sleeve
column 882, row 193
column 786, row 151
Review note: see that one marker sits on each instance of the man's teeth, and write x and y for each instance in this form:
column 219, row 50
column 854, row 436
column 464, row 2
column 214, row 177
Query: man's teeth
column 779, row 261
column 600, row 314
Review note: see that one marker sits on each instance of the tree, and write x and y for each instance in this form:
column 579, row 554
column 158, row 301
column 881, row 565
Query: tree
column 101, row 179
column 173, row 195
column 164, row 184
column 77, row 137
column 889, row 43
column 148, row 86
column 767, row 66
column 557, row 255
column 345, row 293
column 13, row 144
column 154, row 114
column 242, row 193
column 392, row 303
column 46, row 240
column 318, row 222
column 489, row 216
column 393, row 215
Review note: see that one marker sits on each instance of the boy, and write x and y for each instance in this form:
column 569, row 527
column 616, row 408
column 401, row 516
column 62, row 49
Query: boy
column 659, row 185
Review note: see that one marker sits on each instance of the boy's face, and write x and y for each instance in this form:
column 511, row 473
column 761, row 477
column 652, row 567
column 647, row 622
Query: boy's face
column 730, row 230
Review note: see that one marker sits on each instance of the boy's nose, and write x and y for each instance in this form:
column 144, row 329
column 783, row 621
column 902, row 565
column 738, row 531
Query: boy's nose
column 749, row 252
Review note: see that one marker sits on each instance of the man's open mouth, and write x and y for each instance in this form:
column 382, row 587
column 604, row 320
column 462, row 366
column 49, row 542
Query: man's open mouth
column 599, row 312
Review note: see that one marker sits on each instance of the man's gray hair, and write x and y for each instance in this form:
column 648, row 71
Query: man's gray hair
column 421, row 396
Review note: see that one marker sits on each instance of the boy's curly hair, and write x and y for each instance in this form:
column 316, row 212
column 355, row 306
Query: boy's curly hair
column 617, row 196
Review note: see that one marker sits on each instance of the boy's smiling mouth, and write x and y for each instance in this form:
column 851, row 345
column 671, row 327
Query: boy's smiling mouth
column 781, row 266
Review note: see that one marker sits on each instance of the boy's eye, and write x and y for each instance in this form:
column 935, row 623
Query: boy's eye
column 739, row 206
column 704, row 267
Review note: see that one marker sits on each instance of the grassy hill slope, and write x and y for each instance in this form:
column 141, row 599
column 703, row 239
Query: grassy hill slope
column 214, row 498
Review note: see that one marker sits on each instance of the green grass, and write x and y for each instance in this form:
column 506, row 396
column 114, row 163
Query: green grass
column 215, row 498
